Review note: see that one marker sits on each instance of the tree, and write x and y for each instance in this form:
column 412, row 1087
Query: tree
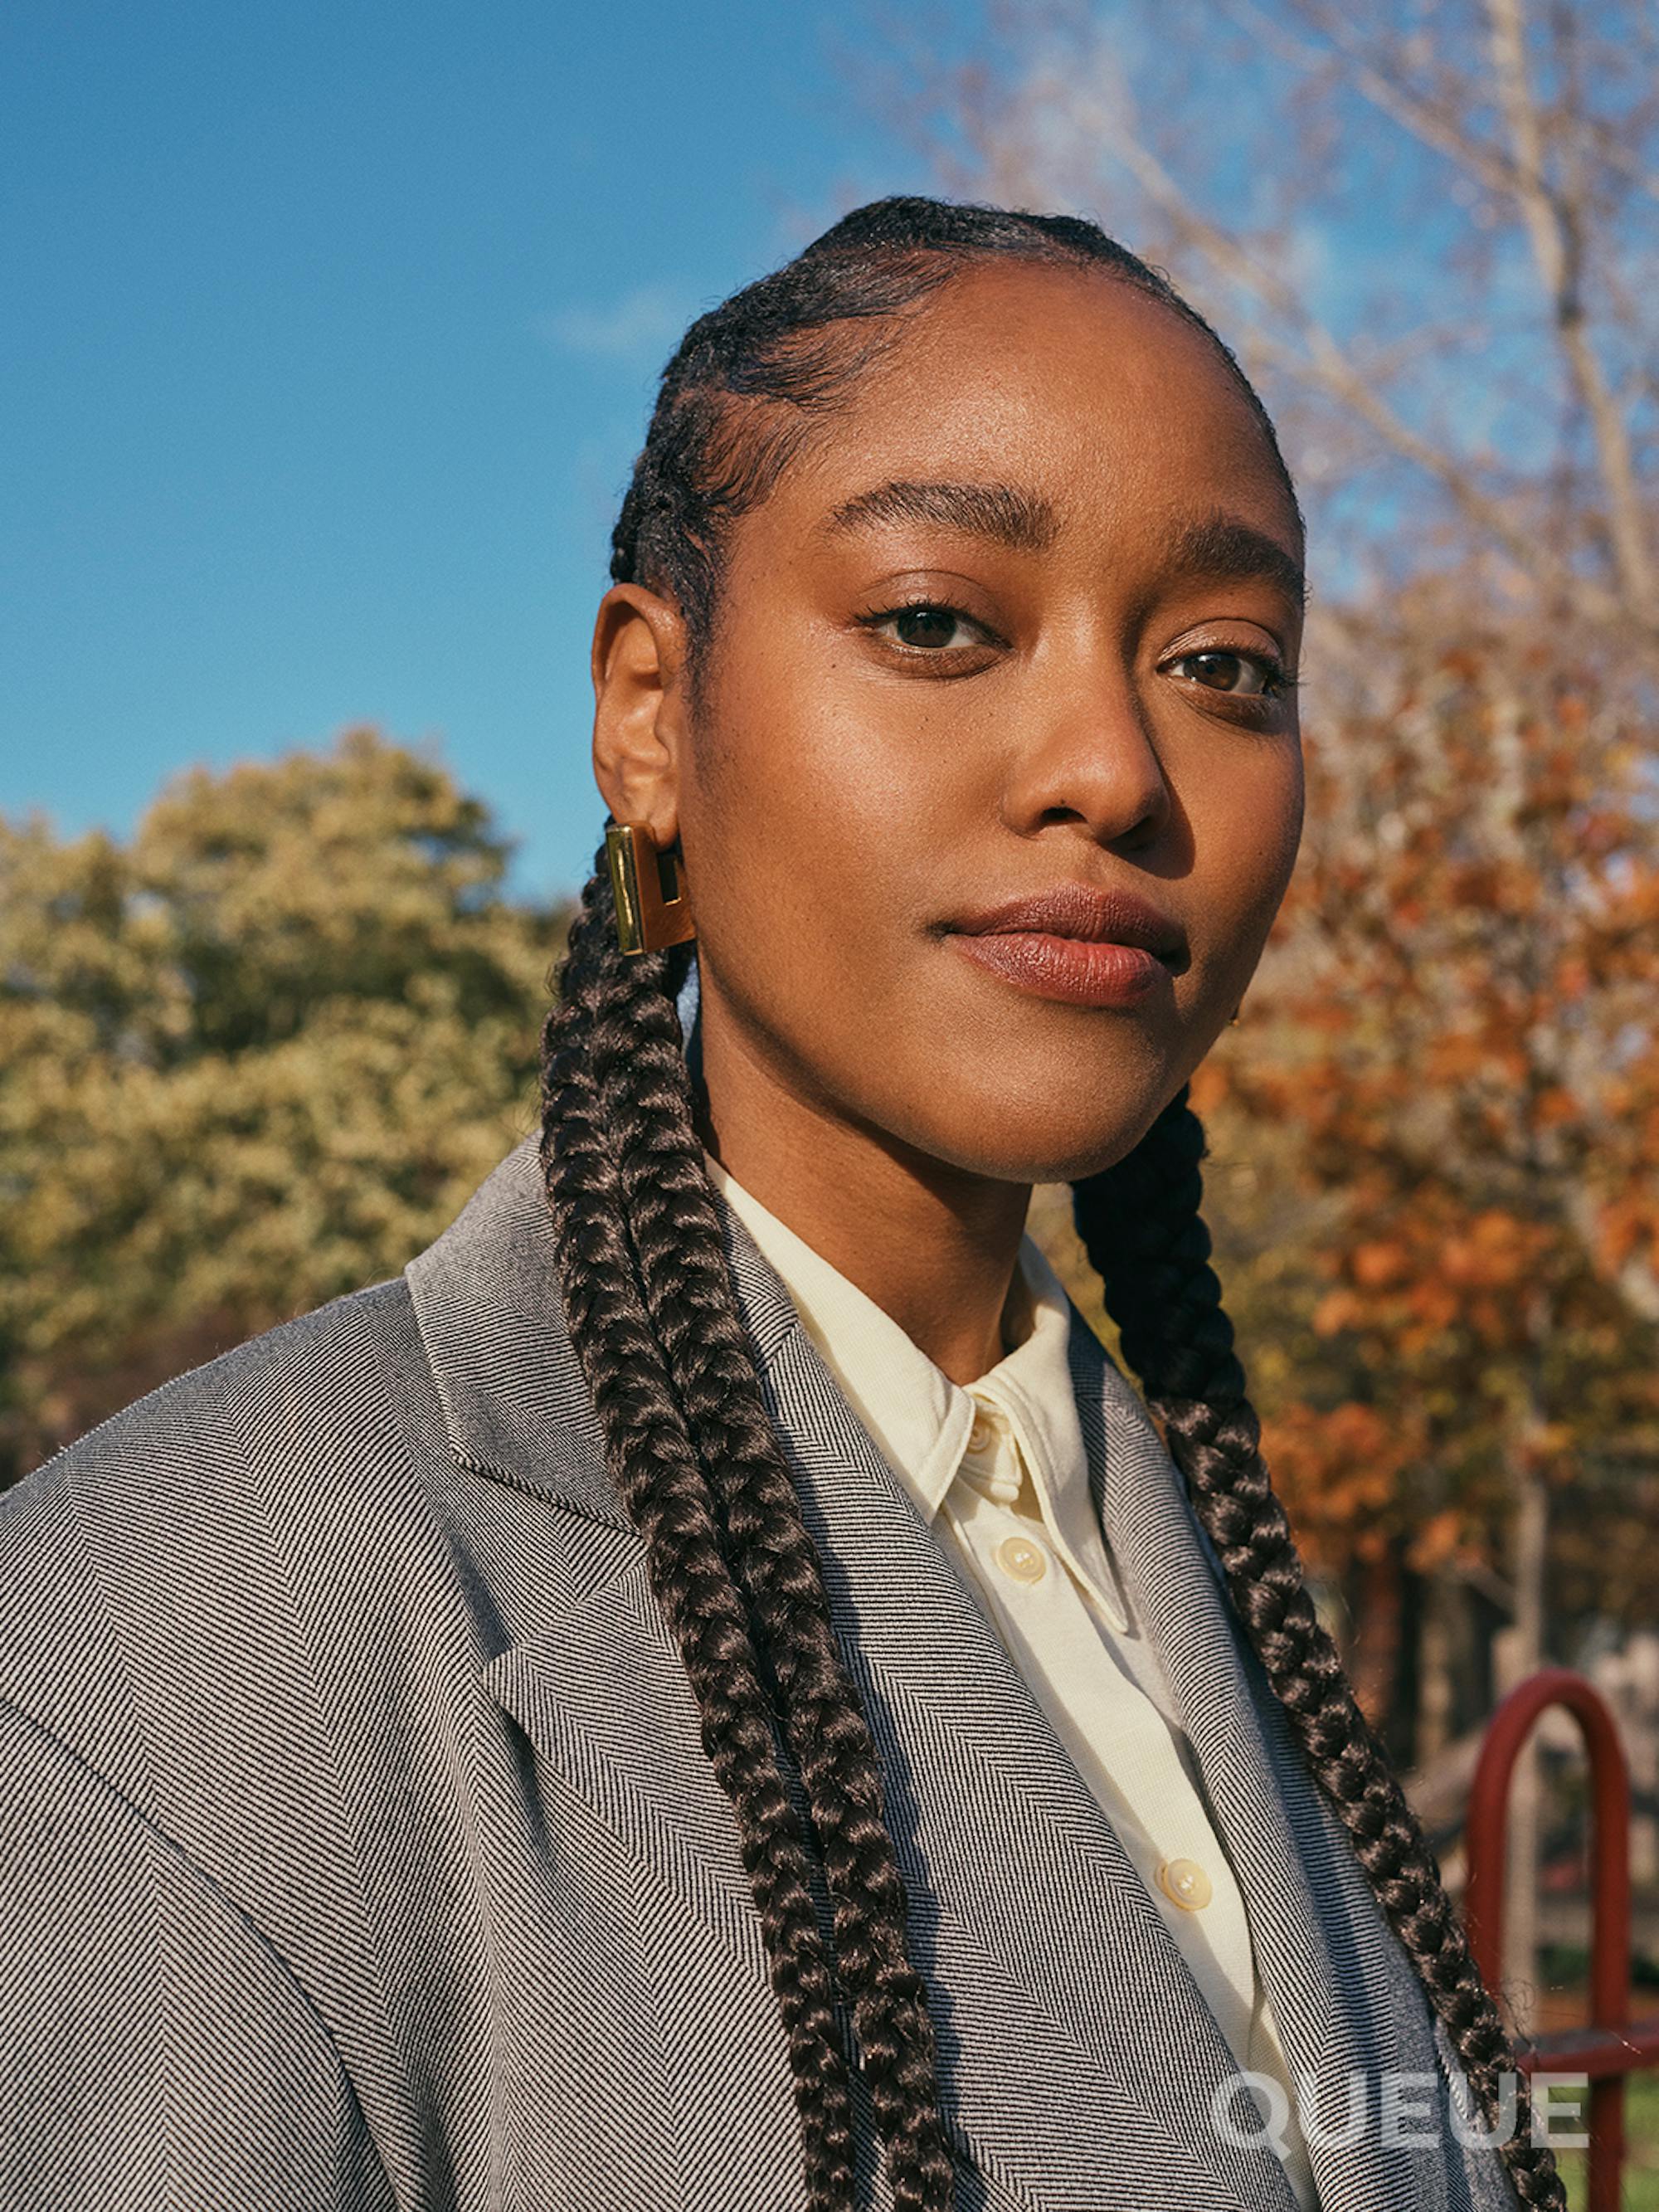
column 254, row 1058
column 1464, row 1026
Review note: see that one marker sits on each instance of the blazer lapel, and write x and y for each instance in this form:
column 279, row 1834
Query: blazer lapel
column 1347, row 2006
column 1079, row 2061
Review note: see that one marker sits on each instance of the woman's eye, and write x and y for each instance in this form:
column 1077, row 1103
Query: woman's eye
column 927, row 626
column 1244, row 675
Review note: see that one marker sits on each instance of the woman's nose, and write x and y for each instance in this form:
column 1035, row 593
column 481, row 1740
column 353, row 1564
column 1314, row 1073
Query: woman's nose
column 1086, row 755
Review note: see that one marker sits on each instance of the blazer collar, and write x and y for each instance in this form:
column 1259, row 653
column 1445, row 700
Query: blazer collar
column 515, row 1402
column 919, row 1417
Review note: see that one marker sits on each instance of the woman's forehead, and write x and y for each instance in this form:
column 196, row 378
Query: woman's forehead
column 1046, row 387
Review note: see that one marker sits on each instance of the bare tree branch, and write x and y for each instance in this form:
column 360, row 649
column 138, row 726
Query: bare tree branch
column 1324, row 363
column 1556, row 225
column 1532, row 428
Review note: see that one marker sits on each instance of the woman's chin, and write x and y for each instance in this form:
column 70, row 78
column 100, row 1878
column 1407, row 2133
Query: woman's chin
column 1050, row 1144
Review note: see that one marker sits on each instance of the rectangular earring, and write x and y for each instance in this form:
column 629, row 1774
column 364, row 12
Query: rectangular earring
column 653, row 906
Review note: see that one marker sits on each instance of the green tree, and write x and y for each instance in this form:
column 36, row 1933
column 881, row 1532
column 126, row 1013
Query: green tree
column 253, row 1058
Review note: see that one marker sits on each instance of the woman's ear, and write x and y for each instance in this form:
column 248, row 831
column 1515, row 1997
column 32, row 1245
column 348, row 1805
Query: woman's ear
column 638, row 661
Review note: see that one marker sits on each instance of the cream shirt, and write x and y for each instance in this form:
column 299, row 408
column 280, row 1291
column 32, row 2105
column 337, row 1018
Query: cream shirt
column 999, row 1470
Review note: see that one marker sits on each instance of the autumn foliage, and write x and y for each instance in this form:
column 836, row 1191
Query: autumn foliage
column 1456, row 1026
column 251, row 1059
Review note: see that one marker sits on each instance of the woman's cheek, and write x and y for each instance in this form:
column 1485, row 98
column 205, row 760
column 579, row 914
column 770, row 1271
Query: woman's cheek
column 1245, row 846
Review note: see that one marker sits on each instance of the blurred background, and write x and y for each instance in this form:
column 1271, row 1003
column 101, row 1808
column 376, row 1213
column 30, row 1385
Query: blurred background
column 331, row 334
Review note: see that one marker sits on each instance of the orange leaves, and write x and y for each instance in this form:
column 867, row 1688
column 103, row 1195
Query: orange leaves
column 1436, row 1269
column 1340, row 1473
column 1456, row 1045
column 1468, row 1056
column 1211, row 1084
column 1336, row 1311
column 1496, row 1250
column 1380, row 1262
column 1432, row 1313
column 1437, row 1543
column 1556, row 1109
column 1628, row 1231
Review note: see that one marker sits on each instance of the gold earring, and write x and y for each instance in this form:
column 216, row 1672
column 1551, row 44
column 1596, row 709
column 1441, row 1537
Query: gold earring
column 653, row 906
column 1232, row 1017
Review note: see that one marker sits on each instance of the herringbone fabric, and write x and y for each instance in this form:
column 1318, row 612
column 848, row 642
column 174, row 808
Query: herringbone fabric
column 360, row 1850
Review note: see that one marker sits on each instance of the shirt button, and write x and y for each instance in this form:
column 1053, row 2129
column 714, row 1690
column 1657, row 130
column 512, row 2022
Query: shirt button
column 1185, row 1883
column 1019, row 1557
column 979, row 1437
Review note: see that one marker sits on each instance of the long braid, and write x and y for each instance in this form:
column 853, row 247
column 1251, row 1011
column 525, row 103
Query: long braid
column 1141, row 1226
column 676, row 1232
column 655, row 1469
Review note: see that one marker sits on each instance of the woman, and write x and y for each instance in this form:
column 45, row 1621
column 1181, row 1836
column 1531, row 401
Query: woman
column 709, row 1692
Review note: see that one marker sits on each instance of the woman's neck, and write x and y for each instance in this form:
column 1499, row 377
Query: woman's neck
column 937, row 1248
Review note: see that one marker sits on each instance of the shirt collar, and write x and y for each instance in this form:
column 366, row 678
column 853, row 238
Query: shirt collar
column 920, row 1418
column 1034, row 1396
column 916, row 1413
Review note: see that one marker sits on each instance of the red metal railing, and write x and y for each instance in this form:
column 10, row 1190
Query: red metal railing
column 1611, row 2047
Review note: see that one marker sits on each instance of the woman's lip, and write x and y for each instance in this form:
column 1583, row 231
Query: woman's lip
column 1081, row 971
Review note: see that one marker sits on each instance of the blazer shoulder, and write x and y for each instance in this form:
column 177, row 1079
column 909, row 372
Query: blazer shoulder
column 278, row 1394
column 193, row 1507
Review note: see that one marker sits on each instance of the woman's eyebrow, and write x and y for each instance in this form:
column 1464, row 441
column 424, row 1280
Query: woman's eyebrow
column 1222, row 548
column 1218, row 545
column 1023, row 520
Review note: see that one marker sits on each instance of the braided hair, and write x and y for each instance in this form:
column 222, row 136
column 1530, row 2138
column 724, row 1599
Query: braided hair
column 654, row 1318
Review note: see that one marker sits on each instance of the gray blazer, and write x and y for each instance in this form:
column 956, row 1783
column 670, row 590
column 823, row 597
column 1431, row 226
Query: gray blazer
column 360, row 1849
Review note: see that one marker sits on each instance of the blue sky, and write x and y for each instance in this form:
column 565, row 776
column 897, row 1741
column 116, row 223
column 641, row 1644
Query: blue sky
column 331, row 329
column 330, row 333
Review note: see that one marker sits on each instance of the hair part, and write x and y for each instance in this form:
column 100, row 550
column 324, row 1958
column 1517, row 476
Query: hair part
column 655, row 1321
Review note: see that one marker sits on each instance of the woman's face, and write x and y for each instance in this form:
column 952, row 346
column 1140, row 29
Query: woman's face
column 1011, row 628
